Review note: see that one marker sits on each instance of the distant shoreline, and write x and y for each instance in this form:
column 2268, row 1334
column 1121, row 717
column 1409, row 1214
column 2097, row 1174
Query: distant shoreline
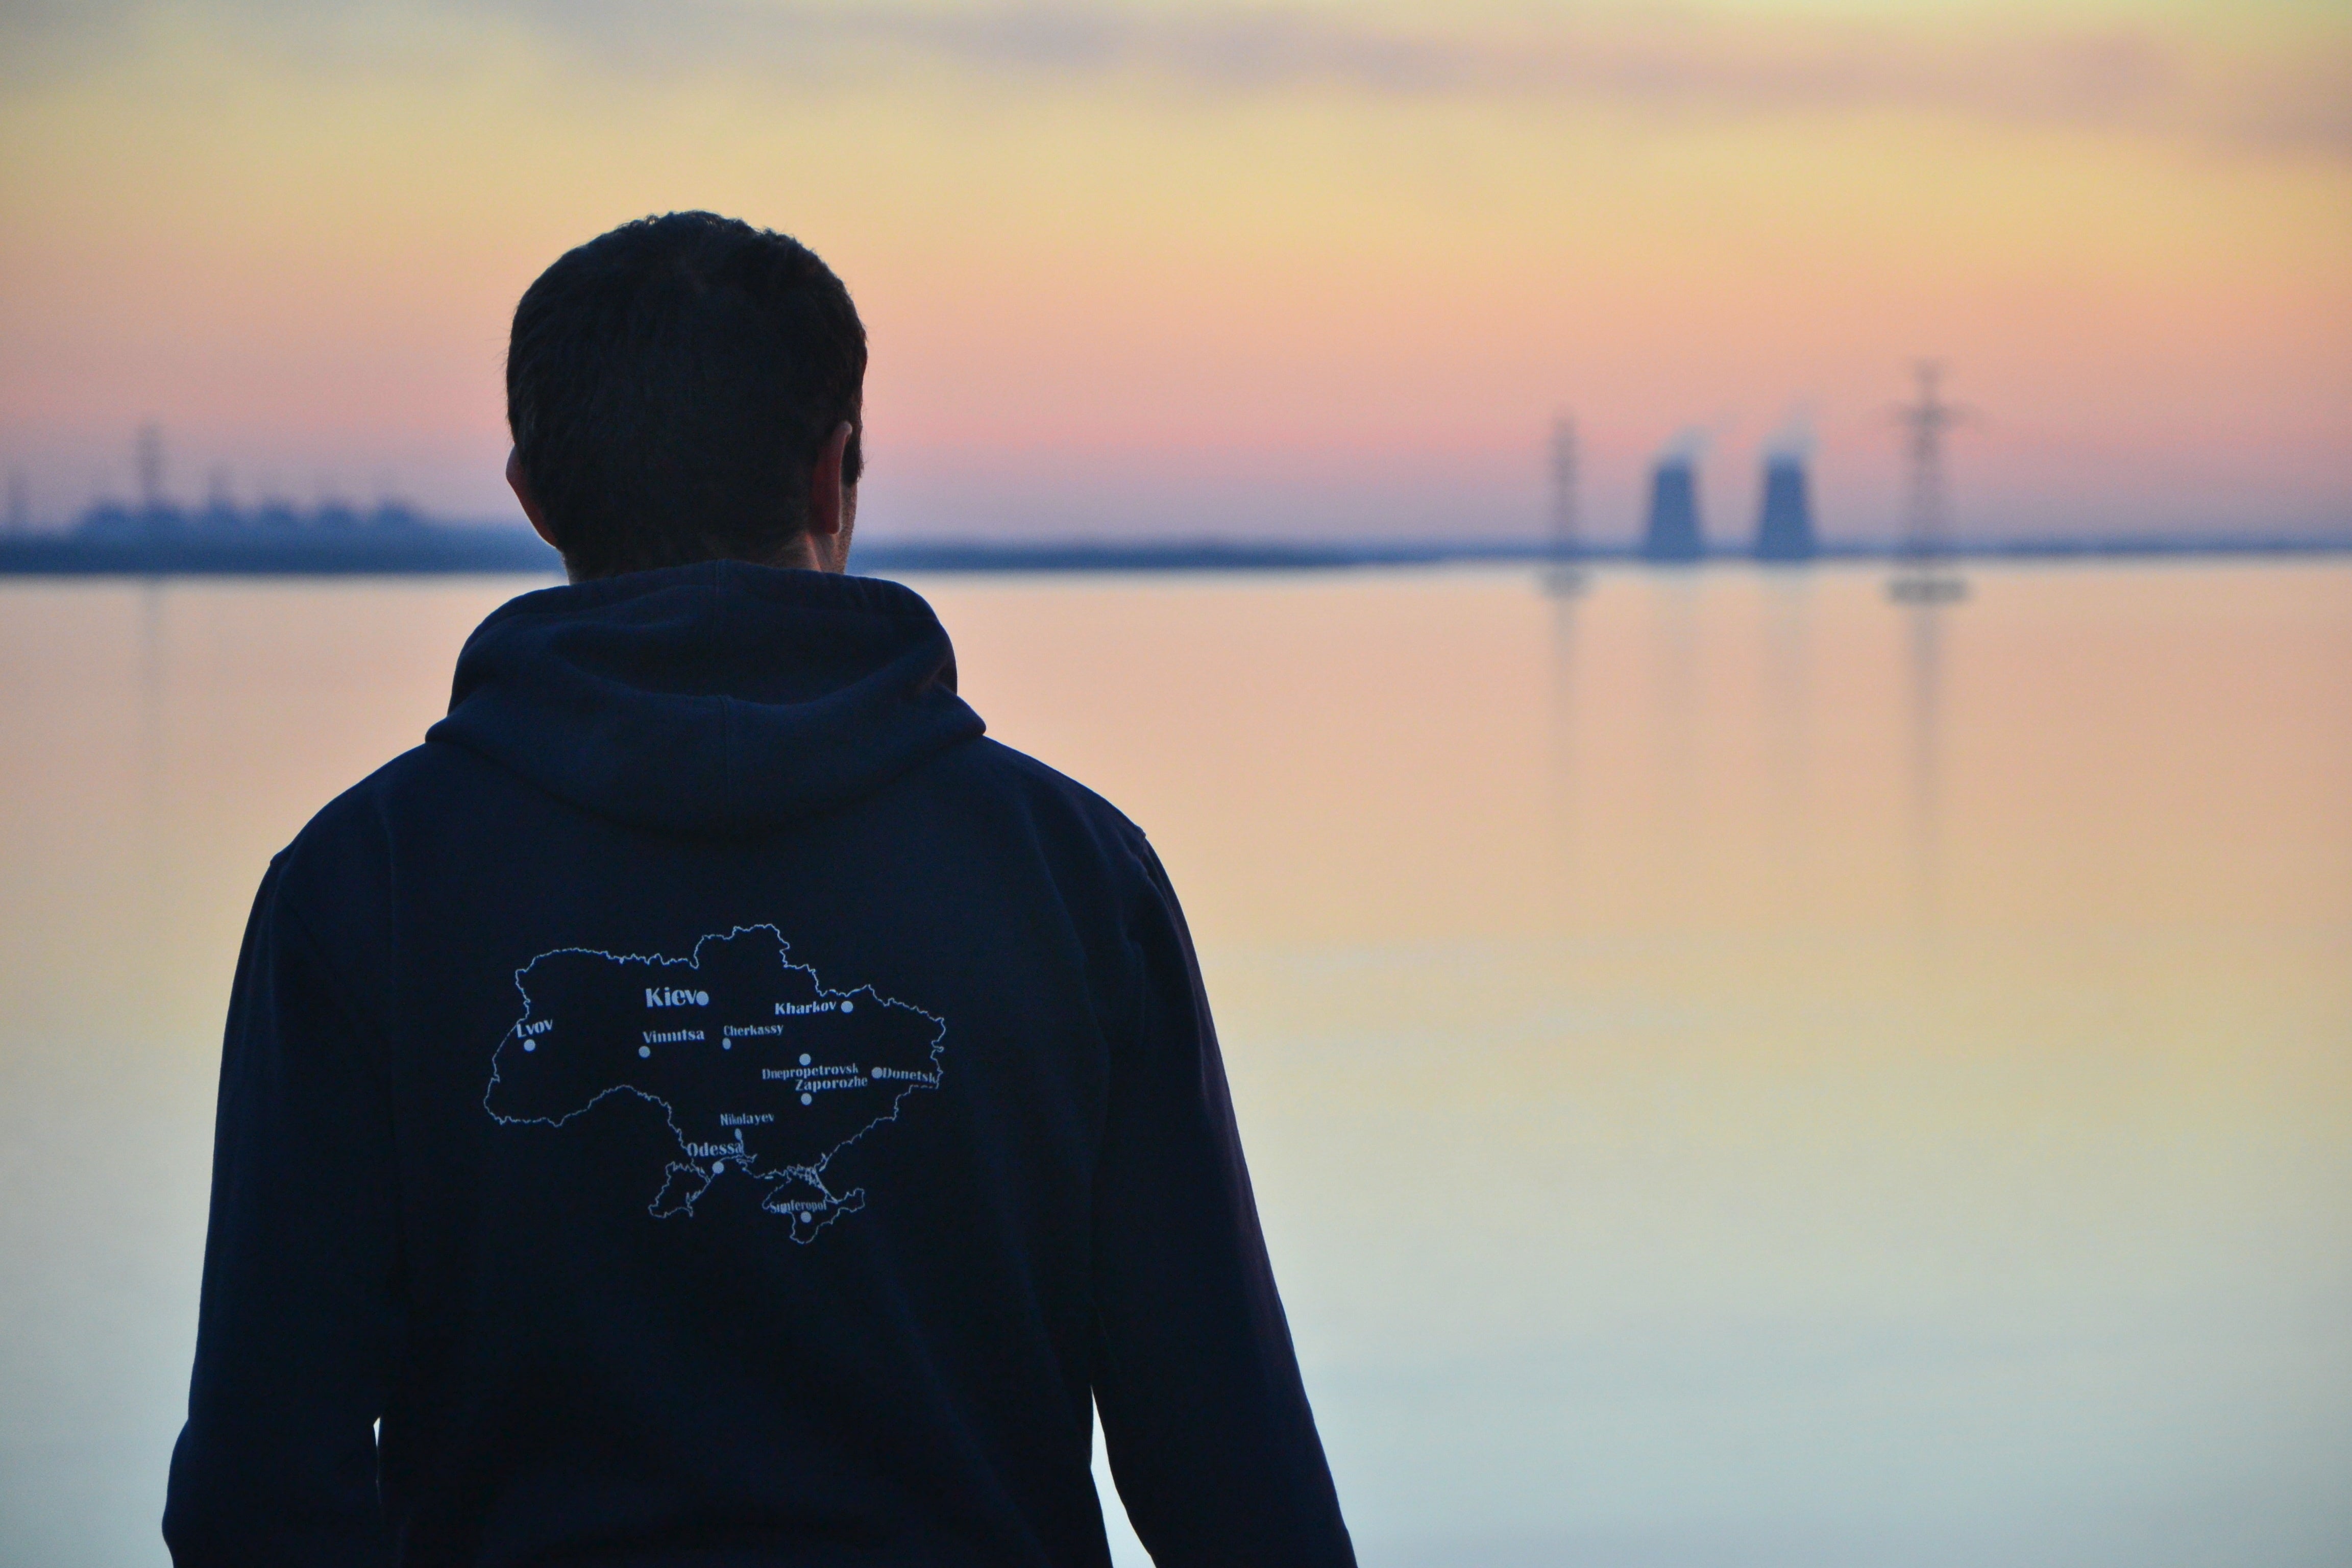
column 1224, row 555
column 448, row 550
column 415, row 550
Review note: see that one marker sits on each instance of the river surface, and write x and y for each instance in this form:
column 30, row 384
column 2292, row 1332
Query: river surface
column 1738, row 1072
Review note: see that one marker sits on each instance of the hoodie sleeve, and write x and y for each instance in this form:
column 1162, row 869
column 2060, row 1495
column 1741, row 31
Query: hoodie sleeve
column 1207, row 1424
column 278, row 1462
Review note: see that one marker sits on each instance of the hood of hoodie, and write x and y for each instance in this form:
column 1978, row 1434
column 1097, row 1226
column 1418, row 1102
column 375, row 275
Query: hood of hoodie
column 719, row 698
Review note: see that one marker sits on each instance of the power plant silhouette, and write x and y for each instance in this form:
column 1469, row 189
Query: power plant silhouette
column 1674, row 534
column 1674, row 528
column 1784, row 523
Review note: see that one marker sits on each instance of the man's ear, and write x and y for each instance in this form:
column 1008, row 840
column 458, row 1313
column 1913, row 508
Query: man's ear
column 830, row 502
column 521, row 488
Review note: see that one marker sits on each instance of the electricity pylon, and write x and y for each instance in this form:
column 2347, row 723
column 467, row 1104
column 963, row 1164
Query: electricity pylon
column 1565, row 576
column 1921, row 575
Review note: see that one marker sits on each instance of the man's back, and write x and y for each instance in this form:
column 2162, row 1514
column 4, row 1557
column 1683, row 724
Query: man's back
column 714, row 1107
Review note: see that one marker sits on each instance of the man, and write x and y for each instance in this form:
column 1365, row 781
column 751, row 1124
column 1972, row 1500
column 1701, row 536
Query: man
column 707, row 1105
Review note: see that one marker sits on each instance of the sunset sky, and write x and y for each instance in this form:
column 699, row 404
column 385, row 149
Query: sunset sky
column 1287, row 268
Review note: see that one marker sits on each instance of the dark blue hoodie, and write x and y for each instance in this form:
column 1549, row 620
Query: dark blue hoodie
column 712, row 1106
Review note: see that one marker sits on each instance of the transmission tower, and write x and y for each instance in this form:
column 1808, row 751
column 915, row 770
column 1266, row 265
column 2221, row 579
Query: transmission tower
column 1921, row 573
column 1566, row 530
column 149, row 455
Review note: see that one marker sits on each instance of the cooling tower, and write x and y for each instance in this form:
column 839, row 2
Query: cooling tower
column 1674, row 532
column 1784, row 528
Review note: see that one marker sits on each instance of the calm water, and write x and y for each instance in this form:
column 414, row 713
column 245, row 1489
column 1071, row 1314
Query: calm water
column 1737, row 1073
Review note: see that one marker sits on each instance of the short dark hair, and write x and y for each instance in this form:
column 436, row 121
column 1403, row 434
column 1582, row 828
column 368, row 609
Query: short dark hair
column 670, row 384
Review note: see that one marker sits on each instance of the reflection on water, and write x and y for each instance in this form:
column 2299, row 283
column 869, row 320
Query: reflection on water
column 1785, row 695
column 151, row 689
column 1561, row 709
column 1738, row 1072
column 1927, row 697
column 152, row 830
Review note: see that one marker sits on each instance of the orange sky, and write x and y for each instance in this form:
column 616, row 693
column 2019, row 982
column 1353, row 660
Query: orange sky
column 1287, row 267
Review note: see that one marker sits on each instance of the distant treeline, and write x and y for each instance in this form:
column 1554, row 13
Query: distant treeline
column 274, row 539
column 115, row 520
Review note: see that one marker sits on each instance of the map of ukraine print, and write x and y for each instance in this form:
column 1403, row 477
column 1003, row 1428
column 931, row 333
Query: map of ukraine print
column 762, row 1073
